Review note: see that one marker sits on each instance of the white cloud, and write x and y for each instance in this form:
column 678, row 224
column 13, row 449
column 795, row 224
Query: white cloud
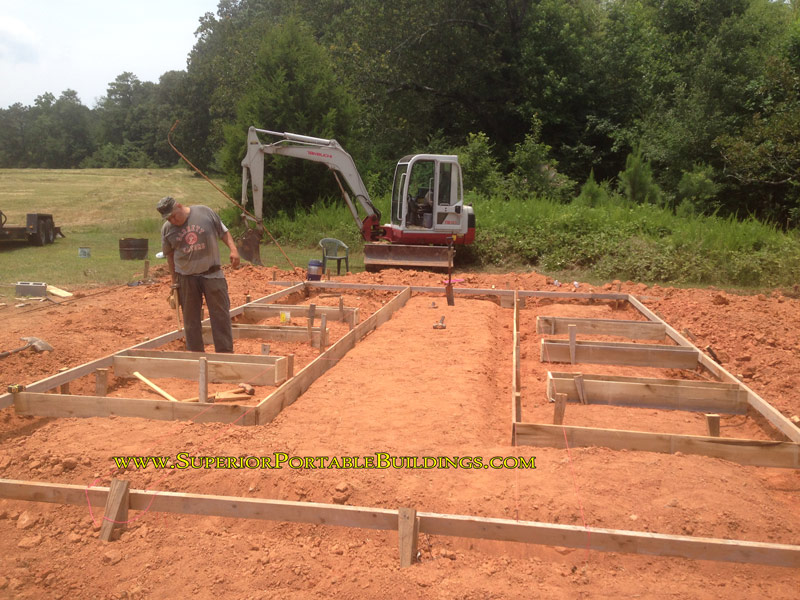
column 18, row 44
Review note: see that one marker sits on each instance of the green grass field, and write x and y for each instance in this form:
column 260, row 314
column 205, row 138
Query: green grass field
column 95, row 208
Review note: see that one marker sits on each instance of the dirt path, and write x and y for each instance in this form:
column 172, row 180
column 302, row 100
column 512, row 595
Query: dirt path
column 407, row 389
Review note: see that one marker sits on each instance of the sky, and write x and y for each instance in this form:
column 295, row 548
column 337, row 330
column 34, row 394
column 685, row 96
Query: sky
column 55, row 45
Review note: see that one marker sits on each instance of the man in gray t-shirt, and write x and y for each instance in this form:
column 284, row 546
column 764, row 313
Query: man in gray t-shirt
column 189, row 241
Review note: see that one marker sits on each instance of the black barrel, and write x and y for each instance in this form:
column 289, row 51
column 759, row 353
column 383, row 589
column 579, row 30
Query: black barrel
column 133, row 248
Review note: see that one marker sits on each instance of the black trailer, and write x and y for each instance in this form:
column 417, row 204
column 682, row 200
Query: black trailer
column 38, row 230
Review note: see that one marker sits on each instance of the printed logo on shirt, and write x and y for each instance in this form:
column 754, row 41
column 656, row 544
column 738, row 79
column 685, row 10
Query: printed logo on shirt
column 189, row 236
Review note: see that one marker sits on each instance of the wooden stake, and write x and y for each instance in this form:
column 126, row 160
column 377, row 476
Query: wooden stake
column 116, row 512
column 561, row 406
column 290, row 366
column 712, row 421
column 572, row 342
column 341, row 308
column 64, row 387
column 153, row 386
column 146, row 270
column 101, row 382
column 312, row 309
column 581, row 388
column 407, row 532
column 323, row 335
column 202, row 394
column 265, row 349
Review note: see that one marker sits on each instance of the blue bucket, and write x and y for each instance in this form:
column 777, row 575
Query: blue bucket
column 314, row 270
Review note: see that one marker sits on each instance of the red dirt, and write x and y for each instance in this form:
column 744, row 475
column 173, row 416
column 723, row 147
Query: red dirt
column 409, row 390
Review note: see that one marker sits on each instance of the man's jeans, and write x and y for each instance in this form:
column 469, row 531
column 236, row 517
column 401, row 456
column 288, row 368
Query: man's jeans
column 215, row 289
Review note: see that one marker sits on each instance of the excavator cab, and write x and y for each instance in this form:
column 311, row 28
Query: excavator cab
column 427, row 201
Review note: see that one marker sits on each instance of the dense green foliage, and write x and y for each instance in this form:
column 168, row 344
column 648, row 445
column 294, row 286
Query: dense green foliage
column 691, row 106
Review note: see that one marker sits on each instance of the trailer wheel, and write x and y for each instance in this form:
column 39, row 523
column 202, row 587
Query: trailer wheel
column 39, row 238
column 50, row 231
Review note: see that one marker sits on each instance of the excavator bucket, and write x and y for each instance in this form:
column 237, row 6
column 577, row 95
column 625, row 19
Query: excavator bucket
column 387, row 256
column 248, row 246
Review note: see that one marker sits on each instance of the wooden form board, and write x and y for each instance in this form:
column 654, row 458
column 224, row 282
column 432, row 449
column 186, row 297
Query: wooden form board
column 256, row 312
column 271, row 371
column 764, row 408
column 63, row 405
column 643, row 392
column 285, row 395
column 620, row 353
column 529, row 532
column 276, row 333
column 746, row 452
column 635, row 330
column 516, row 374
column 419, row 289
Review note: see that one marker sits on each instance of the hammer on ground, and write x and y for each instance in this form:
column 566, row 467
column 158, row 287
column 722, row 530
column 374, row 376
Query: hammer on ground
column 37, row 344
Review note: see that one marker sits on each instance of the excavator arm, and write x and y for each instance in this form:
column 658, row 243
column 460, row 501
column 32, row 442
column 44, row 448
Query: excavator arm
column 327, row 152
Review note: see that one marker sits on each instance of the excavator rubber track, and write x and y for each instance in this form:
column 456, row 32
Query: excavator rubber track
column 388, row 256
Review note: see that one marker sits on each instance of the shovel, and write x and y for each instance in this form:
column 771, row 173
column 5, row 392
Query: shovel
column 32, row 342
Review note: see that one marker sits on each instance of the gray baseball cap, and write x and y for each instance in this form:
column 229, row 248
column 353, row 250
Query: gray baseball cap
column 166, row 206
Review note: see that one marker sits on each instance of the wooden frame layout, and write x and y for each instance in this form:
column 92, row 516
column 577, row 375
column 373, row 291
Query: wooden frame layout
column 681, row 395
column 118, row 499
column 728, row 397
column 267, row 370
column 769, row 412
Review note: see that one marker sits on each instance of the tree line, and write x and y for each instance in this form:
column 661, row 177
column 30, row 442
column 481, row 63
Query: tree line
column 693, row 104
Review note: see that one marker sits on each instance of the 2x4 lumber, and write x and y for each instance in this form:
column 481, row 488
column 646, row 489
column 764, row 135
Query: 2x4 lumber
column 254, row 372
column 257, row 359
column 116, row 512
column 635, row 330
column 407, row 534
column 275, row 333
column 101, row 381
column 256, row 312
column 286, row 394
column 746, row 452
column 559, row 408
column 620, row 353
column 712, row 422
column 769, row 412
column 202, row 380
column 419, row 289
column 292, row 289
column 610, row 540
column 154, row 387
column 516, row 374
column 644, row 392
column 506, row 530
column 55, row 405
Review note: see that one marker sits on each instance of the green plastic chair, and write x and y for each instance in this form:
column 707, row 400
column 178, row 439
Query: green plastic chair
column 330, row 251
